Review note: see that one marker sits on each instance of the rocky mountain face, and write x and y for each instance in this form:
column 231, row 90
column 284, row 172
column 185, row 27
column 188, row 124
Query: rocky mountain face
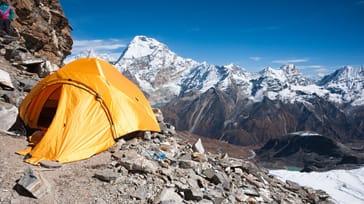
column 216, row 115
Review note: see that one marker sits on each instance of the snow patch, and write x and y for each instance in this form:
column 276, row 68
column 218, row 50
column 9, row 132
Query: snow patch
column 345, row 186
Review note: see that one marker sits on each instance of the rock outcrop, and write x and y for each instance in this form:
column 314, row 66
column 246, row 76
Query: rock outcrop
column 39, row 42
column 42, row 29
column 309, row 151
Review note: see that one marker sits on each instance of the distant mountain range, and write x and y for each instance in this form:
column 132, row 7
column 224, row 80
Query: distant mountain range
column 230, row 103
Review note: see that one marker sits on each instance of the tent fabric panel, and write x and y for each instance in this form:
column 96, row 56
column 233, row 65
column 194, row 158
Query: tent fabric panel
column 80, row 129
column 130, row 116
column 24, row 107
column 31, row 114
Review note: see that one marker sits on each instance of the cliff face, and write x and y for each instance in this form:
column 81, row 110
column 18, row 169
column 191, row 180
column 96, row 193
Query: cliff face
column 43, row 29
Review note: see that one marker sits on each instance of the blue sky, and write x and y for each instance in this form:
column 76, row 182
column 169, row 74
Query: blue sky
column 318, row 36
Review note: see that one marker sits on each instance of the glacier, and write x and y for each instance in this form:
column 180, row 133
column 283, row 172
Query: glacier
column 344, row 186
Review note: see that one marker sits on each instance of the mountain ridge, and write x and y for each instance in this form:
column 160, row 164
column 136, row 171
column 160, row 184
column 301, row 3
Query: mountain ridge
column 160, row 71
column 246, row 108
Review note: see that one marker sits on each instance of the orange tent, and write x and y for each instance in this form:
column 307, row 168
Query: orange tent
column 82, row 108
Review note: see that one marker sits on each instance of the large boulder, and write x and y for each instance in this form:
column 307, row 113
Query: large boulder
column 8, row 115
column 43, row 29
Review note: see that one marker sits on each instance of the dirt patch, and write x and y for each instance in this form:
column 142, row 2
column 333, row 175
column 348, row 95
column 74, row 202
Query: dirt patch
column 72, row 183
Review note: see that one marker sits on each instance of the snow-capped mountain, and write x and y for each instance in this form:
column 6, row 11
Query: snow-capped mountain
column 164, row 75
column 345, row 85
column 158, row 70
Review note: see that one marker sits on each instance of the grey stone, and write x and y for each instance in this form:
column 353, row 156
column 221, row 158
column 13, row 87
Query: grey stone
column 158, row 115
column 181, row 186
column 135, row 162
column 169, row 195
column 208, row 173
column 198, row 147
column 221, row 178
column 240, row 196
column 251, row 191
column 140, row 193
column 5, row 80
column 8, row 115
column 293, row 185
column 187, row 164
column 193, row 194
column 205, row 201
column 238, row 171
column 193, row 182
column 147, row 135
column 106, row 175
column 50, row 164
column 34, row 183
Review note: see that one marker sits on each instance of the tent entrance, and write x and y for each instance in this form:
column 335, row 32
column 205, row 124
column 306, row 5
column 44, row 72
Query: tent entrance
column 49, row 108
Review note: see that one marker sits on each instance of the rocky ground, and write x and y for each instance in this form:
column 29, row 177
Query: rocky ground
column 153, row 168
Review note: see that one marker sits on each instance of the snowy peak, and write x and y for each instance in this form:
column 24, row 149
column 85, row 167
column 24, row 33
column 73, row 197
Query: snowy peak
column 290, row 69
column 270, row 73
column 294, row 76
column 344, row 75
column 157, row 69
column 346, row 85
column 286, row 75
column 142, row 46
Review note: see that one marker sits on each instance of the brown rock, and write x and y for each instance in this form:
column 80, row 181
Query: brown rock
column 46, row 33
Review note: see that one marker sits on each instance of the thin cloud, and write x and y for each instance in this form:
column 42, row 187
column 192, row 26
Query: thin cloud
column 98, row 45
column 289, row 61
column 321, row 72
column 255, row 58
column 360, row 2
column 312, row 67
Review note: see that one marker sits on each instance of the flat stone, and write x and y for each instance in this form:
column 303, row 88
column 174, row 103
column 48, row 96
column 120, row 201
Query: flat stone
column 137, row 162
column 293, row 185
column 205, row 201
column 208, row 173
column 220, row 177
column 34, row 183
column 140, row 193
column 251, row 192
column 8, row 115
column 50, row 164
column 106, row 175
column 32, row 61
column 187, row 164
column 168, row 195
column 193, row 194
